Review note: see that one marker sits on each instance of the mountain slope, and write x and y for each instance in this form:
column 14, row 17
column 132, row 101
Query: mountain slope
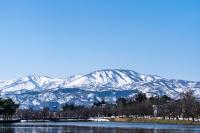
column 110, row 84
column 110, row 79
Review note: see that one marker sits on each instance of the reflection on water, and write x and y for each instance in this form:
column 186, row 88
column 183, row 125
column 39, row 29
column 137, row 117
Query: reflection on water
column 74, row 129
column 71, row 128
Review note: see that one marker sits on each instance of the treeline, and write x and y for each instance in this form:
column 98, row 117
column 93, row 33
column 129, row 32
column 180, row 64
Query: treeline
column 7, row 108
column 188, row 106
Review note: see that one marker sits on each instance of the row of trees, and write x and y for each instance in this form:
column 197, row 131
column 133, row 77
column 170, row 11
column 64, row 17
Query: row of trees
column 188, row 106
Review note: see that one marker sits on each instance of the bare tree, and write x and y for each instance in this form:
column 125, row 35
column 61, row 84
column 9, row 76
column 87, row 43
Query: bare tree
column 189, row 105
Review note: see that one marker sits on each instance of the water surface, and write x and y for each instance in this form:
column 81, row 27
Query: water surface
column 96, row 127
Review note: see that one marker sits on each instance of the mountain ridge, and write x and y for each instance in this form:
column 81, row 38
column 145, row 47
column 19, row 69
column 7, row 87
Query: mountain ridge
column 108, row 84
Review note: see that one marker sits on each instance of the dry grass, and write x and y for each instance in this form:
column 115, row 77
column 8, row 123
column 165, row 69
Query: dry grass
column 154, row 120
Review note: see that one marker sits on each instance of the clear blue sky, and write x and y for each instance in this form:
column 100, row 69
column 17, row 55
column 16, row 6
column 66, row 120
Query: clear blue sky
column 59, row 38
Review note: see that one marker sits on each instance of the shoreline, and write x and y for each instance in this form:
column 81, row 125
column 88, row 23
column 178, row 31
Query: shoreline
column 154, row 120
column 125, row 119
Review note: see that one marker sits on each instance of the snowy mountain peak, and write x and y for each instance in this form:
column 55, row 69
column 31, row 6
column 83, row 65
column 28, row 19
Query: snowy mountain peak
column 113, row 78
column 32, row 82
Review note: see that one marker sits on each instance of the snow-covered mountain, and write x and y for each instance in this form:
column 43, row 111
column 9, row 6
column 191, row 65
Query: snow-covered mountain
column 115, row 79
column 110, row 84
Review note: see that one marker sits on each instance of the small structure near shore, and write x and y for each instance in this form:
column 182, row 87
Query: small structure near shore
column 157, row 110
column 99, row 119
